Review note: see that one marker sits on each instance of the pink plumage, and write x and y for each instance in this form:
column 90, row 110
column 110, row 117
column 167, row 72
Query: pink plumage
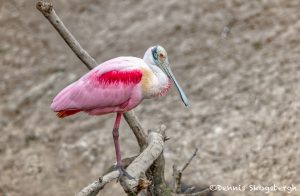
column 110, row 87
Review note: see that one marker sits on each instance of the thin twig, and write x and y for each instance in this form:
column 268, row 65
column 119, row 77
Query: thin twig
column 190, row 160
column 47, row 9
column 177, row 173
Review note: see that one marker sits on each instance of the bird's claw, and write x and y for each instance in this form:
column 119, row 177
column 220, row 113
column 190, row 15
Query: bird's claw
column 122, row 172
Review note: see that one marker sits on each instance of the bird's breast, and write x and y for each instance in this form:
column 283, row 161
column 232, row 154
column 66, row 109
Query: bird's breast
column 154, row 85
column 164, row 89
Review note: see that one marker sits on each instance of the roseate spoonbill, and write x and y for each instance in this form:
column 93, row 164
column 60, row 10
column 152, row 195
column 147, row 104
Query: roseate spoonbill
column 118, row 85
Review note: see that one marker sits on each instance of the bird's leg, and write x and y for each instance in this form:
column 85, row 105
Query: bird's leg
column 115, row 133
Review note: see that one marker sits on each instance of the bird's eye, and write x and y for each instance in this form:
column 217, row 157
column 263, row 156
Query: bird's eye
column 154, row 53
column 161, row 55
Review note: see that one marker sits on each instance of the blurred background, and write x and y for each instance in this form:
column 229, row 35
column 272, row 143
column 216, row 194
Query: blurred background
column 238, row 62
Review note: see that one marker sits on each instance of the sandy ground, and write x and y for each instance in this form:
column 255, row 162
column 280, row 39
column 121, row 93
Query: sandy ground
column 238, row 62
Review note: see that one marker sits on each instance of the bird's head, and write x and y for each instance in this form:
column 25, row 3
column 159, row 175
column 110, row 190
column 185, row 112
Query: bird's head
column 157, row 55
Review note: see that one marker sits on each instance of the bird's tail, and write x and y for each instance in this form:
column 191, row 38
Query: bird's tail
column 65, row 113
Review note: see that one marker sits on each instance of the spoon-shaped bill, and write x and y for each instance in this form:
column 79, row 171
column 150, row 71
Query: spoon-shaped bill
column 179, row 89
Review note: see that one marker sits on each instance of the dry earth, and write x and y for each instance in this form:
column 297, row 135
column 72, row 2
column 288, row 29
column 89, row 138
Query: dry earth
column 238, row 62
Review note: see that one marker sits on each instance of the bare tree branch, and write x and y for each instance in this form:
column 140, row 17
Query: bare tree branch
column 47, row 9
column 156, row 173
column 135, row 169
column 176, row 179
column 93, row 188
column 137, row 129
column 143, row 161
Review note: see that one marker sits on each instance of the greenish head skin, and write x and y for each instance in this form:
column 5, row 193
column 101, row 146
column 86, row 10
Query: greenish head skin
column 160, row 58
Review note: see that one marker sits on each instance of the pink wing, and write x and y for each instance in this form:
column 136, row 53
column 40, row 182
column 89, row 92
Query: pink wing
column 108, row 87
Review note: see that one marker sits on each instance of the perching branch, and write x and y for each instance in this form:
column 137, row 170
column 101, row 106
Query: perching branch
column 46, row 8
column 144, row 161
column 139, row 166
column 93, row 188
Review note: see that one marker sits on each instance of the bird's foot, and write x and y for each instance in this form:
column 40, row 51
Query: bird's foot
column 122, row 172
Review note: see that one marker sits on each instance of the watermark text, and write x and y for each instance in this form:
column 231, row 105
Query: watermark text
column 255, row 188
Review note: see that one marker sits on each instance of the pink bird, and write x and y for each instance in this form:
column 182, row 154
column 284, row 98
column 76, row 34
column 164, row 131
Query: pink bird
column 118, row 85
